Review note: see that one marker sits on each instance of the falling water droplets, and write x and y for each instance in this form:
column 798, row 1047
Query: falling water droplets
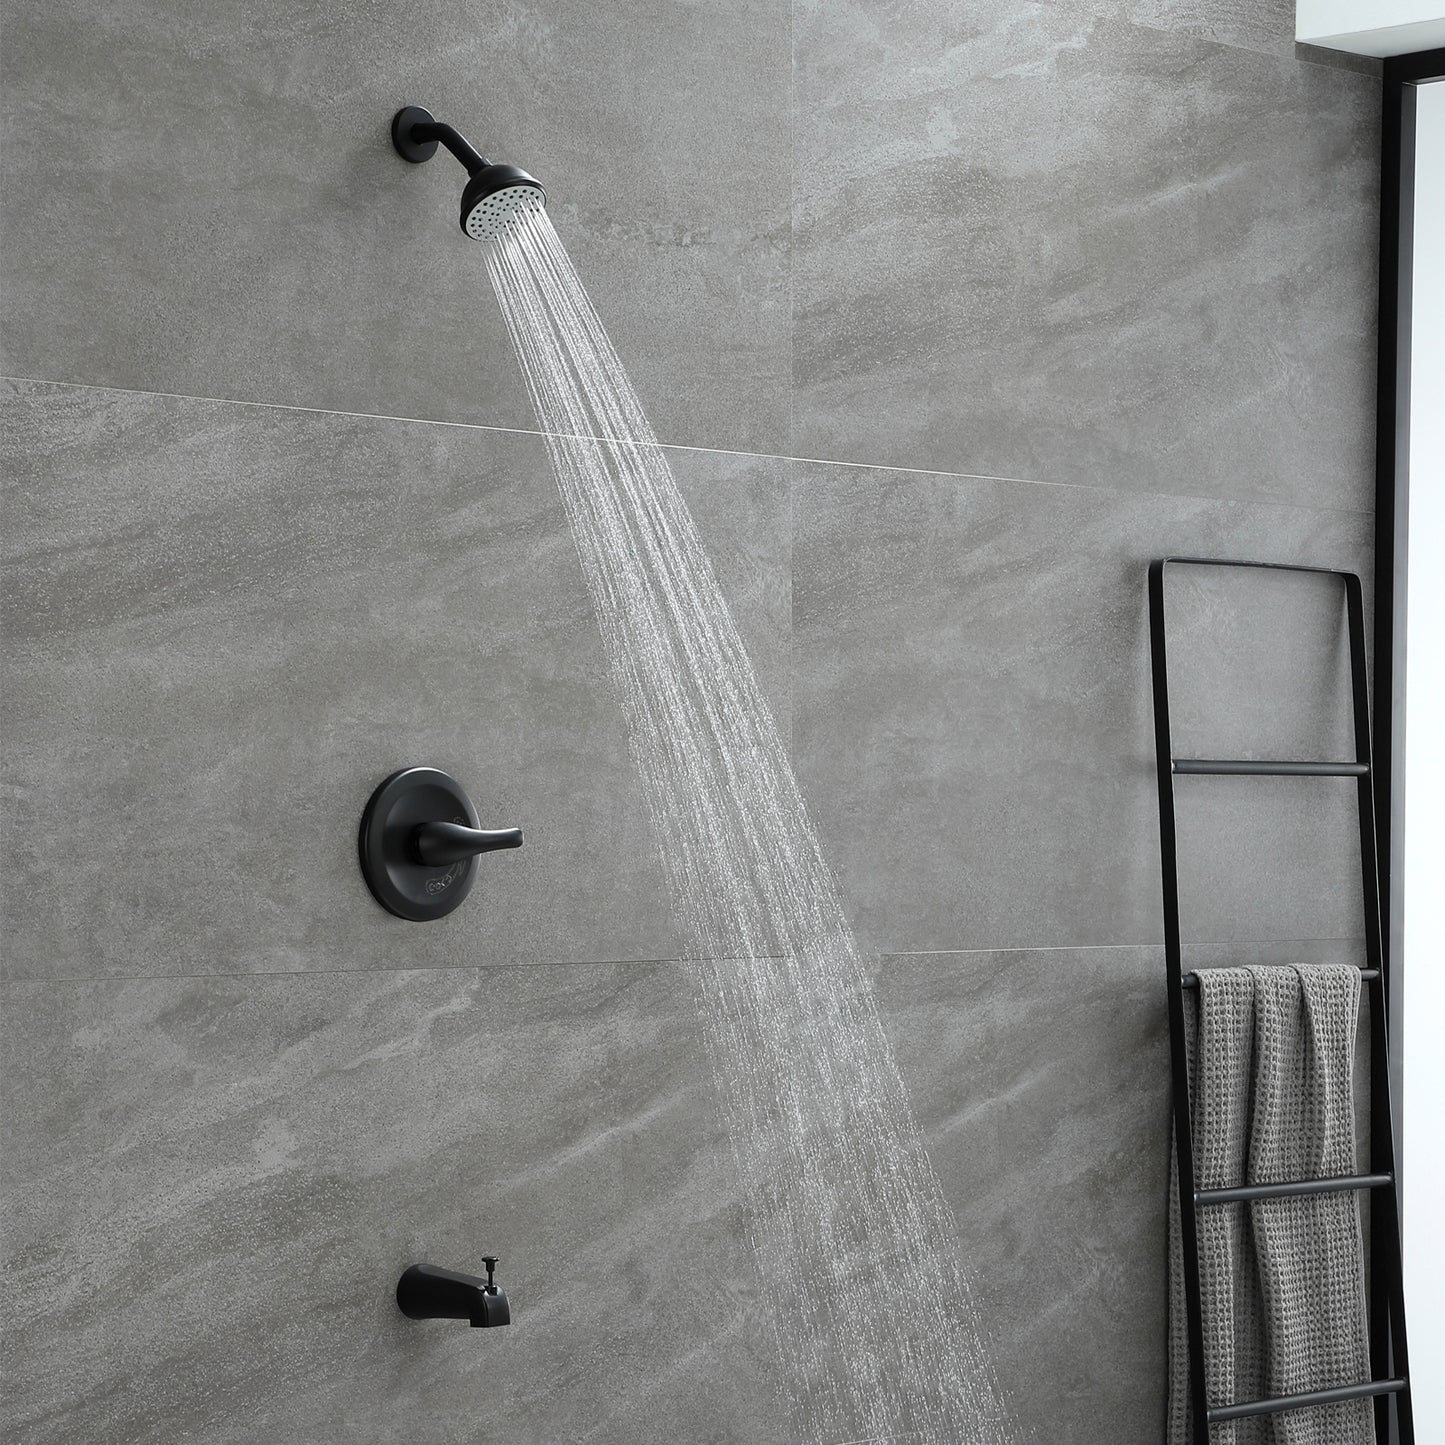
column 854, row 1241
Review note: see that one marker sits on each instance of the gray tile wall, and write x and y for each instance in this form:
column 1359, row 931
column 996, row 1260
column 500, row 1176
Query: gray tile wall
column 954, row 314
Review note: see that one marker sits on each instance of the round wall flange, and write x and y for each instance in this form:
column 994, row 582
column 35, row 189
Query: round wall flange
column 401, row 124
column 418, row 843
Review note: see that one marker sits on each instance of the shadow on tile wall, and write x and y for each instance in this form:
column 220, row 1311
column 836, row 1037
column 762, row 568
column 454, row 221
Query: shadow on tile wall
column 1124, row 264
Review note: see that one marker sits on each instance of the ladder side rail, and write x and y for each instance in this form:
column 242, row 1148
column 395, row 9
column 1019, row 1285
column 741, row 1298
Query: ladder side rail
column 1178, row 1043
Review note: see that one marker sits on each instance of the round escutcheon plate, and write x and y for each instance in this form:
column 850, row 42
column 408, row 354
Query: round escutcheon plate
column 400, row 882
column 401, row 124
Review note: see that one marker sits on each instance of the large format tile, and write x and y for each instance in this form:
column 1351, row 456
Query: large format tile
column 211, row 1184
column 1048, row 242
column 204, row 199
column 211, row 1187
column 225, row 624
column 973, row 720
column 1041, row 1079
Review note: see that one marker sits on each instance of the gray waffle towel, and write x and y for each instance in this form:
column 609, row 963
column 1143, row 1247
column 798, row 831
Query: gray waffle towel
column 1271, row 1078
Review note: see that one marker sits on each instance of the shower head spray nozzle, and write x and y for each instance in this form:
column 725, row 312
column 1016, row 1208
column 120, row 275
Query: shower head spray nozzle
column 496, row 193
column 494, row 196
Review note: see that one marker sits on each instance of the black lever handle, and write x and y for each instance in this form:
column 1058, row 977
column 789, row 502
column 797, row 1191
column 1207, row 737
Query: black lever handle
column 438, row 844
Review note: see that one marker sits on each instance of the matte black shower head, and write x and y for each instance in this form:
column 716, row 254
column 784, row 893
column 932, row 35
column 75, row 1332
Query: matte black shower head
column 494, row 195
column 496, row 192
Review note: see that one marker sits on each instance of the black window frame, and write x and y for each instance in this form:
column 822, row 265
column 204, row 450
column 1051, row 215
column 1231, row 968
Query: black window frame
column 1401, row 75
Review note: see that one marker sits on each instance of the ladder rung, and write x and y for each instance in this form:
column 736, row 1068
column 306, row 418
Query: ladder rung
column 1243, row 1192
column 1258, row 767
column 1299, row 1402
column 1191, row 980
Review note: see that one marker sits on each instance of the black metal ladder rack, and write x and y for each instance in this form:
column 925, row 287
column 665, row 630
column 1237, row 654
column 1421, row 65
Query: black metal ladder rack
column 1388, row 1358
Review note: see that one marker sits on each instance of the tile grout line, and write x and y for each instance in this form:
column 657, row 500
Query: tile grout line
column 679, row 961
column 789, row 470
column 792, row 230
column 883, row 467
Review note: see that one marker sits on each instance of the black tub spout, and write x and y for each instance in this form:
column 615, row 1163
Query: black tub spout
column 428, row 1292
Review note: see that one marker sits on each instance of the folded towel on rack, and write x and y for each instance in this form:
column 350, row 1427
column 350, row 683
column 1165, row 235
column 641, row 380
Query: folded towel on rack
column 1282, row 1280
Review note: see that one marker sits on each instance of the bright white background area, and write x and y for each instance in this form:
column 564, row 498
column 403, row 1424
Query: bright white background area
column 1371, row 27
column 1423, row 942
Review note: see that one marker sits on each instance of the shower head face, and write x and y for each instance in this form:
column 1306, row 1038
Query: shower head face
column 495, row 197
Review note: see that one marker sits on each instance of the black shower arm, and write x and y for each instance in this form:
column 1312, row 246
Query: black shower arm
column 453, row 140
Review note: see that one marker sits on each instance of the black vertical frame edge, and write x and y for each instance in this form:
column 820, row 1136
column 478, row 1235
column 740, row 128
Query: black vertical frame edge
column 1391, row 483
column 1397, row 171
column 1401, row 74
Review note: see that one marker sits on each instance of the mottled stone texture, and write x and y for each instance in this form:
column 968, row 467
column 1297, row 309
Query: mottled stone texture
column 224, row 1177
column 226, row 624
column 974, row 725
column 1051, row 242
column 1122, row 262
column 204, row 198
column 211, row 1184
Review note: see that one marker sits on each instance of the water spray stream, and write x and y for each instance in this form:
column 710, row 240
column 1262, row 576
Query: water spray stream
column 855, row 1243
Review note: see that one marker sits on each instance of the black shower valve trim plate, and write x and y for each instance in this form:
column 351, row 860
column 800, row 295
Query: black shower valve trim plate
column 419, row 842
